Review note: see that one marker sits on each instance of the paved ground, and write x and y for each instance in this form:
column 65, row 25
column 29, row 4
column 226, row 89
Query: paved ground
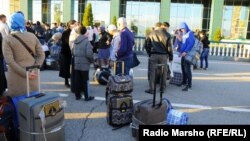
column 219, row 95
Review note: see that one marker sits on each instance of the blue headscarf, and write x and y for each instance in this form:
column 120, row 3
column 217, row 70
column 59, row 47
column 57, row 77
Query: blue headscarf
column 17, row 22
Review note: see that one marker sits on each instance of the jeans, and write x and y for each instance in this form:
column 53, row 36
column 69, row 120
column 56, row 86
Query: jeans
column 204, row 56
column 127, row 65
column 186, row 71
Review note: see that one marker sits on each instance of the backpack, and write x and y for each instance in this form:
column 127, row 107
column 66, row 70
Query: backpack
column 7, row 118
column 198, row 46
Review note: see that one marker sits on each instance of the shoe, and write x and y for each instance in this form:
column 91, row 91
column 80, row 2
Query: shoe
column 205, row 69
column 185, row 89
column 149, row 91
column 90, row 98
column 78, row 98
column 67, row 85
column 180, row 85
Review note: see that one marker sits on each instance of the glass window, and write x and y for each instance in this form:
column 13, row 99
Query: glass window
column 79, row 9
column 192, row 14
column 14, row 6
column 235, row 19
column 46, row 11
column 56, row 11
column 135, row 15
column 37, row 10
column 5, row 8
column 101, row 11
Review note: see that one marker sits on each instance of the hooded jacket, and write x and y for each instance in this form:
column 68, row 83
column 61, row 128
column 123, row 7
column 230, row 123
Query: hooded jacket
column 188, row 39
column 83, row 53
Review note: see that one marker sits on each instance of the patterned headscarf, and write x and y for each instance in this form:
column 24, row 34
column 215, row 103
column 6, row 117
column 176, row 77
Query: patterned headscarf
column 17, row 22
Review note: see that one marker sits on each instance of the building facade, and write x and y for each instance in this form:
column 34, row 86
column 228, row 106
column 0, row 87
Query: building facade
column 230, row 16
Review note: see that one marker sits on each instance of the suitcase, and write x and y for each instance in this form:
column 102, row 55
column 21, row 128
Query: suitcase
column 102, row 76
column 177, row 79
column 120, row 83
column 52, row 63
column 41, row 116
column 119, row 109
column 147, row 112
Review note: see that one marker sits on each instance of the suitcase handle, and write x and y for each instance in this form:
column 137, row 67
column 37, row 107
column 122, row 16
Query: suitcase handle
column 28, row 69
column 123, row 66
column 161, row 83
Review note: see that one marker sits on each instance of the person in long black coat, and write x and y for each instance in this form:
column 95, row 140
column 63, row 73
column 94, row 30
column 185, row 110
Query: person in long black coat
column 3, row 82
column 65, row 55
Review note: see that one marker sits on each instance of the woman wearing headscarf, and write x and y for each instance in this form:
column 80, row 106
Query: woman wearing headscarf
column 65, row 55
column 18, row 57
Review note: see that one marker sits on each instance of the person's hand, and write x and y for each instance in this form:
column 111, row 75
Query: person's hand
column 32, row 75
column 183, row 54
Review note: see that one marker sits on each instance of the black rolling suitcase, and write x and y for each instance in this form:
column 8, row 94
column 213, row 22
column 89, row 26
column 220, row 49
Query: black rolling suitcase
column 118, row 99
column 147, row 112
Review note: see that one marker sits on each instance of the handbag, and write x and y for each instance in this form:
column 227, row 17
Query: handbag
column 136, row 61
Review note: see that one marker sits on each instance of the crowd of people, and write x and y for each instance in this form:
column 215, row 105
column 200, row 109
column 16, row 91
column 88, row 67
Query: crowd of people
column 79, row 44
column 23, row 46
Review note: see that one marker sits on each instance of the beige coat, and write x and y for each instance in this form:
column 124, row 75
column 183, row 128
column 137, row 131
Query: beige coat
column 18, row 58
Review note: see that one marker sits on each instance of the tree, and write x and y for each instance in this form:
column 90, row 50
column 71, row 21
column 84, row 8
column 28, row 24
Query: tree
column 88, row 16
column 58, row 13
column 217, row 35
column 114, row 21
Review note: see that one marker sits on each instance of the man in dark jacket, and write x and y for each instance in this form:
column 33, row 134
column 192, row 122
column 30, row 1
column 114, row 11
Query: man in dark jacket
column 125, row 53
column 159, row 49
column 83, row 57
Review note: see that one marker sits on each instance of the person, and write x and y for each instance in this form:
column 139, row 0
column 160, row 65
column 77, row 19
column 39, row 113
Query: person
column 114, row 43
column 159, row 50
column 103, row 47
column 83, row 57
column 29, row 28
column 39, row 31
column 18, row 57
column 125, row 53
column 4, row 29
column 165, row 26
column 205, row 51
column 188, row 41
column 65, row 54
column 54, row 28
column 3, row 83
column 60, row 28
column 47, row 33
column 91, row 35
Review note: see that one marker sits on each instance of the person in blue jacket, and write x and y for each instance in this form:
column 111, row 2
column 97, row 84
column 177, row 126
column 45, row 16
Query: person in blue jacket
column 125, row 53
column 188, row 41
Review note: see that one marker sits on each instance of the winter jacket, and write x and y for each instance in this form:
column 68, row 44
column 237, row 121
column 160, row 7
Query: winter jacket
column 82, row 53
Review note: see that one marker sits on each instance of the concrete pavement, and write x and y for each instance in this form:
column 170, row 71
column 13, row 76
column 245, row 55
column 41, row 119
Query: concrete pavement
column 219, row 95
